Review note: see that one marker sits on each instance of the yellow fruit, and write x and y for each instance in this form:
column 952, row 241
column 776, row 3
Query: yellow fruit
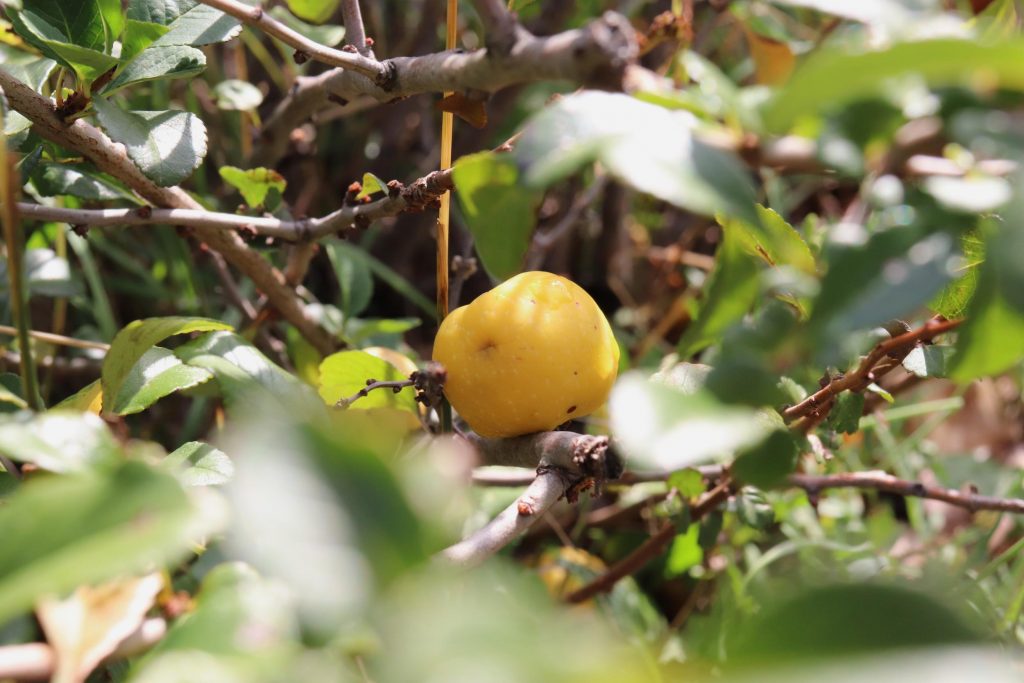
column 530, row 354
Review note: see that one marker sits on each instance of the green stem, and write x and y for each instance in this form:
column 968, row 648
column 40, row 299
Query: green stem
column 15, row 273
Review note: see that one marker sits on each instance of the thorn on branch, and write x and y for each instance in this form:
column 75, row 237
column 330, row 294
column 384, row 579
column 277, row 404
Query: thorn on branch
column 300, row 57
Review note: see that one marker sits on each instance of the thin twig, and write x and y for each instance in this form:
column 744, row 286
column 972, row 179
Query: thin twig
column 58, row 339
column 37, row 661
column 376, row 71
column 650, row 548
column 882, row 481
column 371, row 384
column 860, row 378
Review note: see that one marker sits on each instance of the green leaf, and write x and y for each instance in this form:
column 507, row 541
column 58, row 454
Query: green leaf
column 159, row 63
column 684, row 553
column 235, row 95
column 895, row 273
column 827, row 621
column 379, row 331
column 688, row 482
column 776, row 241
column 371, row 185
column 845, row 416
column 81, row 23
column 188, row 22
column 1007, row 245
column 254, row 183
column 58, row 441
column 62, row 532
column 989, row 341
column 29, row 68
column 87, row 62
column 46, row 274
column 325, row 34
column 928, row 361
column 769, row 463
column 317, row 11
column 167, row 145
column 499, row 210
column 200, row 464
column 246, row 377
column 645, row 146
column 138, row 35
column 344, row 373
column 731, row 290
column 51, row 180
column 85, row 399
column 753, row 508
column 157, row 374
column 138, row 337
column 232, row 602
column 11, row 393
column 662, row 428
column 829, row 79
column 390, row 277
column 952, row 301
column 354, row 279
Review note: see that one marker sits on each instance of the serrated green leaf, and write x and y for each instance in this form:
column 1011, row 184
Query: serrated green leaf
column 58, row 441
column 952, row 301
column 167, row 145
column 138, row 337
column 777, row 242
column 153, row 63
column 246, row 377
column 371, row 185
column 753, row 508
column 344, row 373
column 51, row 180
column 188, row 22
column 499, row 210
column 157, row 374
column 254, row 183
column 688, row 482
column 200, row 464
column 731, row 290
column 62, row 532
column 662, row 428
column 235, row 95
column 158, row 11
column 829, row 79
column 80, row 23
column 317, row 11
column 645, row 146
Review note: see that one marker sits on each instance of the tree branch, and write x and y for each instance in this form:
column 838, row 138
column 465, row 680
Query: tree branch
column 37, row 661
column 547, row 487
column 650, row 548
column 596, row 55
column 882, row 481
column 820, row 401
column 355, row 62
column 113, row 159
column 355, row 31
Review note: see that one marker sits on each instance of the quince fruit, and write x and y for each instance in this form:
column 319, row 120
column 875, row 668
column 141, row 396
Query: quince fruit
column 530, row 354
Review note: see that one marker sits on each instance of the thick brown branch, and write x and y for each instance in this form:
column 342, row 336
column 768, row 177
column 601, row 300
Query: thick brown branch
column 596, row 55
column 113, row 159
column 861, row 377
